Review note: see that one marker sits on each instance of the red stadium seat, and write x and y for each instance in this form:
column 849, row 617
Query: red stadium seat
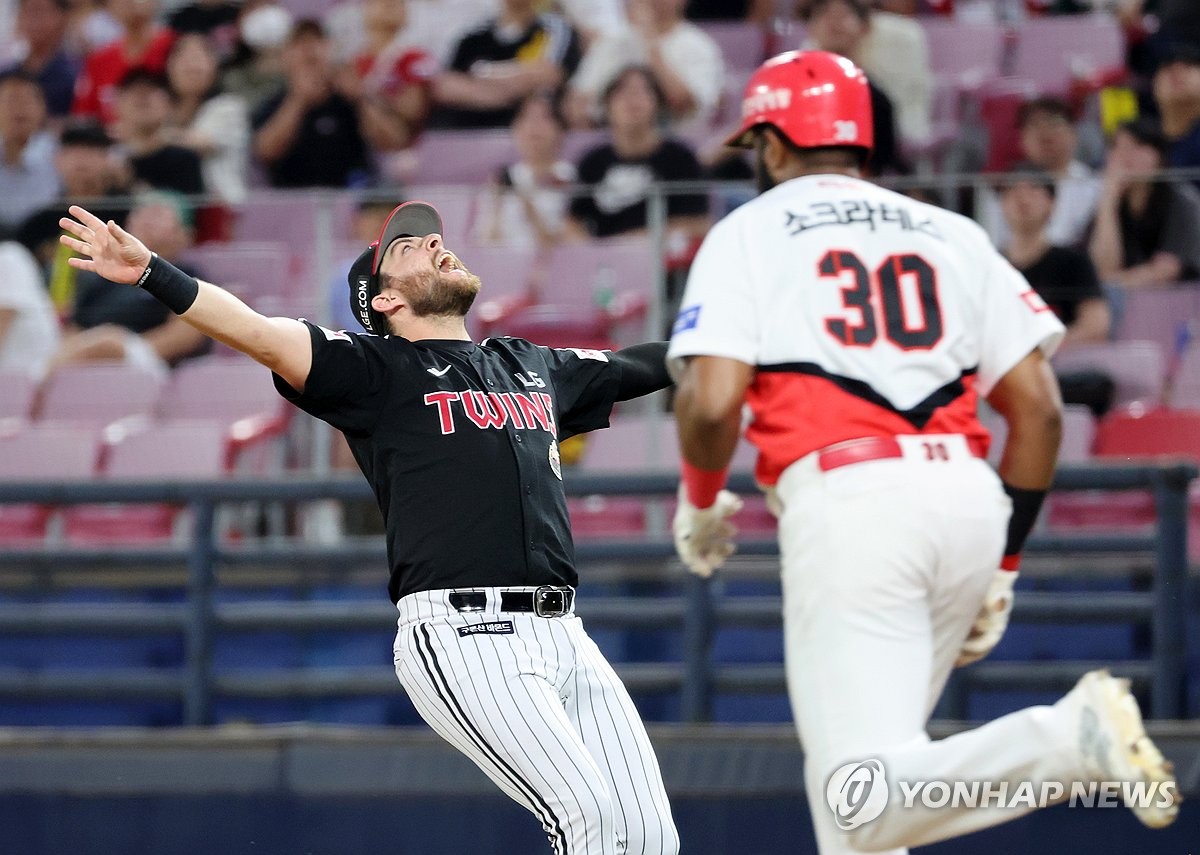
column 1154, row 314
column 98, row 393
column 42, row 453
column 1137, row 367
column 461, row 156
column 582, row 294
column 999, row 101
column 1137, row 433
column 250, row 269
column 150, row 452
column 219, row 389
column 1186, row 390
column 1059, row 53
column 743, row 44
column 558, row 326
column 1132, row 435
column 16, row 395
column 597, row 517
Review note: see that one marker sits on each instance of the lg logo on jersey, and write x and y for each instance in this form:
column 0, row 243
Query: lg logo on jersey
column 533, row 381
column 494, row 410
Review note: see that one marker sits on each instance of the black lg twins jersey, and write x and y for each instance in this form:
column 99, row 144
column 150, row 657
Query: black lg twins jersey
column 460, row 443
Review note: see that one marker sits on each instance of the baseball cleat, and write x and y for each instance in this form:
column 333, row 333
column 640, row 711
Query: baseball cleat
column 1115, row 747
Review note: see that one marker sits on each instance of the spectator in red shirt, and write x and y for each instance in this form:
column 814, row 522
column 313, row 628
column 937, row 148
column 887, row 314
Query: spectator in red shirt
column 392, row 76
column 146, row 44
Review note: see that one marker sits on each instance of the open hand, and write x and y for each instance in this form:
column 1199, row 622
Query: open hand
column 107, row 249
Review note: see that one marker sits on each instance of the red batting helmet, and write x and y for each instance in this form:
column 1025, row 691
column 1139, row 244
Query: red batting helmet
column 815, row 98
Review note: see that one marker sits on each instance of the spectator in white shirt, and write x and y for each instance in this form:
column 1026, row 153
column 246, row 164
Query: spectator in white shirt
column 212, row 123
column 28, row 324
column 686, row 63
column 1049, row 141
column 526, row 203
column 27, row 177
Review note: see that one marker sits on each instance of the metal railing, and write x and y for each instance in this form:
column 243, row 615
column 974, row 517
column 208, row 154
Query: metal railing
column 698, row 611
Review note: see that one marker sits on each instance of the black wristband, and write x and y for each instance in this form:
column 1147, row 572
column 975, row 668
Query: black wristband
column 169, row 285
column 1025, row 507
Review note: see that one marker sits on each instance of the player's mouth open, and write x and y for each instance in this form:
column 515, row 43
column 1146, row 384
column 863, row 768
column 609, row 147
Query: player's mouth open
column 449, row 264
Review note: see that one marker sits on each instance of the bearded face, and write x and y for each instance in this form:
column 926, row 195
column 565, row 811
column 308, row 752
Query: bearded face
column 446, row 291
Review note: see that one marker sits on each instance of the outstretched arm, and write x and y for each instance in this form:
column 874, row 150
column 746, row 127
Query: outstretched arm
column 281, row 344
column 643, row 369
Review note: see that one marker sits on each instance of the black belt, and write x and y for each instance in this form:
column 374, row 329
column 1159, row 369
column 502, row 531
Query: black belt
column 546, row 601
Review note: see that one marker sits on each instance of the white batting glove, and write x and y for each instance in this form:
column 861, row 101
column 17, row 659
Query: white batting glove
column 991, row 621
column 704, row 536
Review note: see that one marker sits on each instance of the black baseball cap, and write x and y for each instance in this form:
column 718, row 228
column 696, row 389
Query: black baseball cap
column 411, row 219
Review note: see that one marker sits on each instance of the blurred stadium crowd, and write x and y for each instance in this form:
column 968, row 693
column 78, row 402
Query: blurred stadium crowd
column 575, row 149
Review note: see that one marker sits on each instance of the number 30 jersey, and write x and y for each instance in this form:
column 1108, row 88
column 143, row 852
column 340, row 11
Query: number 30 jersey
column 865, row 313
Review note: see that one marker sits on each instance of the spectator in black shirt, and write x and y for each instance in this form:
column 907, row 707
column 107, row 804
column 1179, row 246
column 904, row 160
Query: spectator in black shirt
column 143, row 127
column 309, row 135
column 1145, row 232
column 1065, row 278
column 496, row 66
column 1062, row 276
column 620, row 172
column 127, row 324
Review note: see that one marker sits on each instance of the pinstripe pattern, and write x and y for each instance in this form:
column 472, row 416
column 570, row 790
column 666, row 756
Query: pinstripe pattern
column 543, row 714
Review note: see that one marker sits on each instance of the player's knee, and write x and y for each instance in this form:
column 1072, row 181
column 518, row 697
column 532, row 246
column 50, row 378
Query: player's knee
column 652, row 835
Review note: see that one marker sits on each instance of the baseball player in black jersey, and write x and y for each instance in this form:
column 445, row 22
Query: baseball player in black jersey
column 460, row 443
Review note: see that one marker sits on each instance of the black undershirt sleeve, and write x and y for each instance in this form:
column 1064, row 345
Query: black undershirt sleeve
column 643, row 369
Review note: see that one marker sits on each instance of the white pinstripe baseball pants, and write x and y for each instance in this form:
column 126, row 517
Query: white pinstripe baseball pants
column 544, row 715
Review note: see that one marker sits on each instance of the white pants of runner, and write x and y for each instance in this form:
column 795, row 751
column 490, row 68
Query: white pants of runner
column 885, row 566
column 543, row 714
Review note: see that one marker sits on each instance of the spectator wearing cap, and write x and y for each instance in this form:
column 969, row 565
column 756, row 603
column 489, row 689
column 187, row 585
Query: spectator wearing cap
column 620, row 172
column 841, row 27
column 145, row 44
column 212, row 123
column 1146, row 230
column 493, row 67
column 88, row 173
column 42, row 25
column 309, row 135
column 1049, row 141
column 1064, row 277
column 27, row 177
column 110, row 323
column 686, row 63
column 1176, row 87
column 143, row 128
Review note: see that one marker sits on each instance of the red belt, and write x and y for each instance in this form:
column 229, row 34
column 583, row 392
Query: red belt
column 867, row 448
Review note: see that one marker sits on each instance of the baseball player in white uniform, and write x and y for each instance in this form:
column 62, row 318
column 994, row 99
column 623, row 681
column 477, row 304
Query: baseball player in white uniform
column 861, row 327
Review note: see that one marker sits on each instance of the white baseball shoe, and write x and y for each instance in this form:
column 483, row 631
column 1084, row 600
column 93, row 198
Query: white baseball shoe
column 1115, row 747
